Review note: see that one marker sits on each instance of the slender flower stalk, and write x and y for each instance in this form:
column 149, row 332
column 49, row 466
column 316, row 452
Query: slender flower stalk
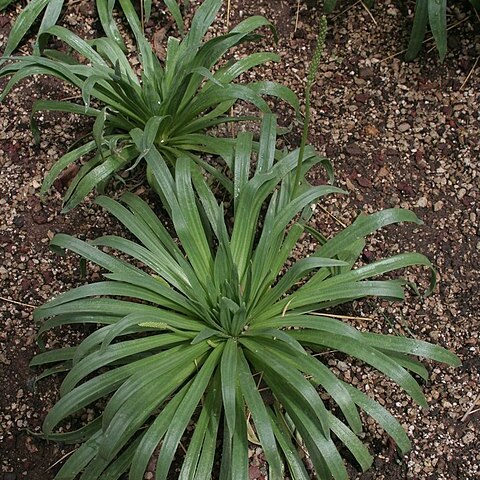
column 312, row 71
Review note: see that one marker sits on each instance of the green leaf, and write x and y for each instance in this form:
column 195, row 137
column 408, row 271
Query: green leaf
column 437, row 17
column 167, row 261
column 172, row 5
column 205, row 334
column 198, row 461
column 276, row 335
column 64, row 367
column 228, row 368
column 293, row 380
column 316, row 322
column 475, row 4
column 203, row 18
column 370, row 355
column 235, row 444
column 62, row 242
column 105, row 14
column 211, row 412
column 253, row 23
column 374, row 269
column 98, row 128
column 321, row 374
column 365, row 225
column 23, row 23
column 118, row 467
column 412, row 347
column 233, row 71
column 114, row 353
column 53, row 356
column 110, row 50
column 241, row 169
column 276, row 90
column 154, row 434
column 308, row 300
column 92, row 390
column 72, row 40
column 351, row 441
column 408, row 363
column 149, row 222
column 329, row 5
column 216, row 95
column 382, row 416
column 260, row 417
column 107, row 288
column 77, row 436
column 188, row 223
column 322, row 450
column 419, row 28
column 298, row 271
column 266, row 151
column 283, row 436
column 52, row 13
column 139, row 397
column 103, row 172
column 184, row 413
column 4, row 4
column 80, row 458
column 147, row 10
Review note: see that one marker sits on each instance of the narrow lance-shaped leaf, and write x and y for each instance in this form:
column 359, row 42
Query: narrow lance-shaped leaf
column 437, row 17
column 105, row 14
column 185, row 411
column 228, row 368
column 417, row 35
column 260, row 417
column 24, row 21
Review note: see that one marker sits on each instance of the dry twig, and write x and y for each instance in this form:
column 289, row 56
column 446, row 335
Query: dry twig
column 347, row 9
column 333, row 216
column 470, row 73
column 369, row 12
column 297, row 15
column 17, row 303
column 429, row 39
column 61, row 459
column 471, row 409
column 346, row 317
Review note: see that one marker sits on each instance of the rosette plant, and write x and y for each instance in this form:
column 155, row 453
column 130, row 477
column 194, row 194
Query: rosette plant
column 223, row 327
column 428, row 13
column 52, row 9
column 181, row 97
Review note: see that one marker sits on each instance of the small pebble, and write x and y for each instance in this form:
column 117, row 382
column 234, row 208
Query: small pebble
column 342, row 366
column 468, row 438
column 422, row 202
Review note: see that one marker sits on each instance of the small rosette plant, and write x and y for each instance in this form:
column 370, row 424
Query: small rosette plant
column 428, row 13
column 223, row 330
column 179, row 98
column 52, row 11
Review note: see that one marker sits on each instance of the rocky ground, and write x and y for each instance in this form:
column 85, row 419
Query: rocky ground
column 398, row 134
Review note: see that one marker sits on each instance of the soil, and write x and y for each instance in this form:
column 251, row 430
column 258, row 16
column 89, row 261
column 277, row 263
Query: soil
column 399, row 135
